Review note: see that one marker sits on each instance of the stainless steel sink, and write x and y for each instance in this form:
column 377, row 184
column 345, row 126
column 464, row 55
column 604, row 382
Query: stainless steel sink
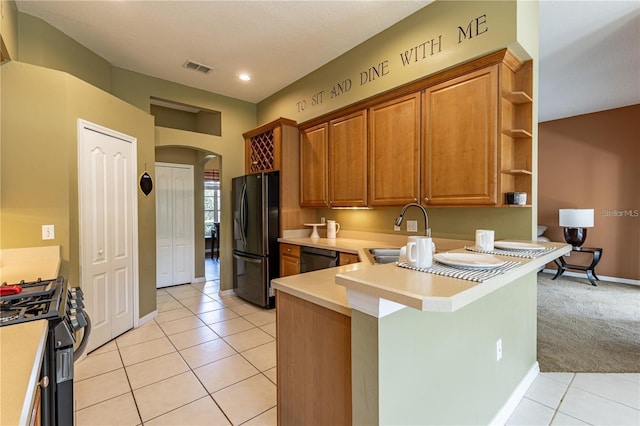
column 383, row 255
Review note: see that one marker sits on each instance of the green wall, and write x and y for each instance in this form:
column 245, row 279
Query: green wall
column 9, row 28
column 41, row 44
column 455, row 223
column 415, row 367
column 40, row 109
column 36, row 42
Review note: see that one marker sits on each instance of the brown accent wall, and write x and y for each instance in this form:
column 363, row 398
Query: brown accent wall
column 593, row 161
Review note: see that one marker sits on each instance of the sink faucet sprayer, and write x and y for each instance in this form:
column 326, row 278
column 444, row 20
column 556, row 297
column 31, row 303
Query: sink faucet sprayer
column 426, row 218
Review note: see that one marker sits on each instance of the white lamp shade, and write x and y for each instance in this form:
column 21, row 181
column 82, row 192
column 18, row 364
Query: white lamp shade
column 576, row 218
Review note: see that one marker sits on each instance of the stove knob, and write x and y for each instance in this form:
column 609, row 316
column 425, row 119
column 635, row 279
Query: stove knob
column 74, row 322
column 82, row 320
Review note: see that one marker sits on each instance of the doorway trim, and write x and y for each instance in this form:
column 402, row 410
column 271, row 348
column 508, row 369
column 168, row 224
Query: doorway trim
column 84, row 124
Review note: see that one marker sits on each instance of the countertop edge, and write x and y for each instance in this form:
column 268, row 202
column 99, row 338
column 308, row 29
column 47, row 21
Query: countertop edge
column 457, row 301
column 27, row 395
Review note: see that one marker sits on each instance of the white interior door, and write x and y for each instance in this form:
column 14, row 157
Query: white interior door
column 174, row 224
column 108, row 211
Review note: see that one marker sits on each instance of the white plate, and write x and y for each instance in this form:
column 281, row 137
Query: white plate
column 469, row 260
column 514, row 245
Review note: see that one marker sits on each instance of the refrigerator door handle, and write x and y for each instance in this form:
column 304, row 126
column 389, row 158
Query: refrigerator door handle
column 247, row 259
column 243, row 225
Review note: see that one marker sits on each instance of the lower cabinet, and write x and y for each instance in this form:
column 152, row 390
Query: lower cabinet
column 314, row 363
column 289, row 259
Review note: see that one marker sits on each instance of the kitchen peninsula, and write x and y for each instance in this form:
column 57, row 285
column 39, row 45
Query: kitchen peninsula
column 380, row 344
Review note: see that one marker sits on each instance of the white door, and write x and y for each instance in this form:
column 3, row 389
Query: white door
column 174, row 224
column 108, row 211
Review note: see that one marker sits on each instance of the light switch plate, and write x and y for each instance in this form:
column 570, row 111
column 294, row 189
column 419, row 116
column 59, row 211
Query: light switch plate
column 412, row 226
column 48, row 232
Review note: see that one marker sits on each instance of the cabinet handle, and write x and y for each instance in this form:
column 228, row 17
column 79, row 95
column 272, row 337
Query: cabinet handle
column 44, row 382
column 415, row 199
column 254, row 163
column 288, row 250
column 426, row 199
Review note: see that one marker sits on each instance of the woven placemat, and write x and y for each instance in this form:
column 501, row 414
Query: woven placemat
column 470, row 274
column 529, row 254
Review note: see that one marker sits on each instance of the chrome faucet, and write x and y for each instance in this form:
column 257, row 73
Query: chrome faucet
column 398, row 221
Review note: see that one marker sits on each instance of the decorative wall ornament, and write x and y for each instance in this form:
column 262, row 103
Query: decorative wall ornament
column 146, row 184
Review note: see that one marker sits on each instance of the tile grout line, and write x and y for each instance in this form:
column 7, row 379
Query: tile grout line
column 259, row 372
column 165, row 335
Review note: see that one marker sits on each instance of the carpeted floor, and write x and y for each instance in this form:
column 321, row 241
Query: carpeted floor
column 582, row 328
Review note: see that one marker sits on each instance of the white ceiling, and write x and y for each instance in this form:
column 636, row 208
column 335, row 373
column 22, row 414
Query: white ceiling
column 589, row 50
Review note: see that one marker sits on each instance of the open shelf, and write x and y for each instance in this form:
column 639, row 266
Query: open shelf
column 517, row 133
column 516, row 172
column 518, row 97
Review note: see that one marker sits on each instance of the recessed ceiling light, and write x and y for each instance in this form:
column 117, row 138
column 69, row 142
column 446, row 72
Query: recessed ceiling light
column 244, row 77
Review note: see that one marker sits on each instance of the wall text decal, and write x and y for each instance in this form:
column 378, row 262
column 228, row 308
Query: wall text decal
column 412, row 55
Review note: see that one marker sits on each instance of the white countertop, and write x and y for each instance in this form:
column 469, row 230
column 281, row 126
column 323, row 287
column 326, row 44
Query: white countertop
column 419, row 290
column 29, row 263
column 436, row 293
column 21, row 352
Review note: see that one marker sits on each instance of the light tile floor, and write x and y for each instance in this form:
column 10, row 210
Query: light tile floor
column 211, row 360
column 206, row 359
column 580, row 399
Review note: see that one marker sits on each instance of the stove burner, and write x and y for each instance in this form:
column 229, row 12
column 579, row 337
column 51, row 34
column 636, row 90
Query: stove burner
column 10, row 315
column 41, row 299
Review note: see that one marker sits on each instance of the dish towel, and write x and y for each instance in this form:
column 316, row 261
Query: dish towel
column 470, row 274
column 529, row 254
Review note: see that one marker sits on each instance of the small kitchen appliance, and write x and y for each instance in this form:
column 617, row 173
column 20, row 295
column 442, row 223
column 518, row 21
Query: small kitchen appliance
column 62, row 307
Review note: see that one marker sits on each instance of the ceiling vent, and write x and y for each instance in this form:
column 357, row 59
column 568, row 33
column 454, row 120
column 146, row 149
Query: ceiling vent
column 195, row 66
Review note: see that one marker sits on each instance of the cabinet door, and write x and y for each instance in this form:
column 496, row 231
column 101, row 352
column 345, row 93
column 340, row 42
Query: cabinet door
column 289, row 266
column 394, row 151
column 289, row 259
column 348, row 161
column 460, row 140
column 348, row 258
column 313, row 166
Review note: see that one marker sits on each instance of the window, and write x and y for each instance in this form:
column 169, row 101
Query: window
column 211, row 201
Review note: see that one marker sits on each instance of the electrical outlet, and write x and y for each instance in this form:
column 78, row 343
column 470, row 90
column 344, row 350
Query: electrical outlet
column 412, row 226
column 499, row 350
column 48, row 232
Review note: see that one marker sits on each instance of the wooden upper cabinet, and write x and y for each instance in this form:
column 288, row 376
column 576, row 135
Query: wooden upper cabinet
column 394, row 151
column 460, row 140
column 348, row 160
column 313, row 166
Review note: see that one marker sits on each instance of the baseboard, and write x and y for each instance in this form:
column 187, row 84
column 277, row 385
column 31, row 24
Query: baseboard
column 147, row 318
column 198, row 280
column 602, row 277
column 229, row 292
column 516, row 396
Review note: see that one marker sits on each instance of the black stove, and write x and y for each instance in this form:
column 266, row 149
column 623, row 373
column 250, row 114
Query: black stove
column 62, row 307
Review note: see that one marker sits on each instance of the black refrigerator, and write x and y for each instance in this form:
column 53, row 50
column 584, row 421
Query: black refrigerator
column 256, row 224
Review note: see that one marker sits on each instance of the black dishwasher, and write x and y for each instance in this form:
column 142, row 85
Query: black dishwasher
column 312, row 259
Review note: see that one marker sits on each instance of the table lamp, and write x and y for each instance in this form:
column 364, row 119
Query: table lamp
column 575, row 223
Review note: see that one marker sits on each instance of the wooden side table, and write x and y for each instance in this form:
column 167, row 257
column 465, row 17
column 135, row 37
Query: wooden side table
column 590, row 270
